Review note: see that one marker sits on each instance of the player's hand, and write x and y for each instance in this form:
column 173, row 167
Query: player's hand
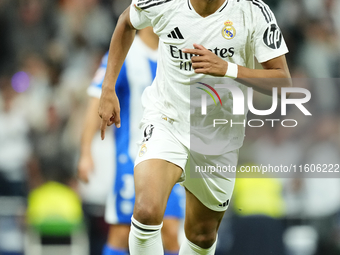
column 109, row 111
column 206, row 62
column 85, row 168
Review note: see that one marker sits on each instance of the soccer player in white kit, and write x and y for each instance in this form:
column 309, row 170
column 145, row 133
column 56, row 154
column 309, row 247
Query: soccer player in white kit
column 226, row 36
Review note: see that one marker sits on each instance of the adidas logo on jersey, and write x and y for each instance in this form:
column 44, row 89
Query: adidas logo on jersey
column 176, row 34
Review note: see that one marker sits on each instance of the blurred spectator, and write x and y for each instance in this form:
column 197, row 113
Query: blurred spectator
column 84, row 25
column 14, row 144
column 37, row 95
column 278, row 147
column 55, row 160
column 317, row 55
column 33, row 25
column 6, row 47
column 321, row 196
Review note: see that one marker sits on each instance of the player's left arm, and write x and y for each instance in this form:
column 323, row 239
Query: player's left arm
column 275, row 72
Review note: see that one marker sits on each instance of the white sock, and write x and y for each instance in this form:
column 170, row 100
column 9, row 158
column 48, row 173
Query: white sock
column 145, row 239
column 189, row 248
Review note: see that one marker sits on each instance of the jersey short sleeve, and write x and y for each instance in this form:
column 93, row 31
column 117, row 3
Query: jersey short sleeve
column 145, row 13
column 139, row 16
column 268, row 39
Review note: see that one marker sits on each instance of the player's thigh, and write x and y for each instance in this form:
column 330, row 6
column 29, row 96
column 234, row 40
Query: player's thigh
column 154, row 180
column 159, row 164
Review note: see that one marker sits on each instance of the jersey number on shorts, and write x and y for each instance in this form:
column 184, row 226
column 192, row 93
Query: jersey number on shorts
column 148, row 132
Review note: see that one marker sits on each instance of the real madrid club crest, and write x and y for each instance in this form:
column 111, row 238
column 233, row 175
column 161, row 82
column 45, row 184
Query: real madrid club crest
column 228, row 31
column 143, row 150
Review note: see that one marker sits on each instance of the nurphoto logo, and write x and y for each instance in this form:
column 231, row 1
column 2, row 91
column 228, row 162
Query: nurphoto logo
column 239, row 104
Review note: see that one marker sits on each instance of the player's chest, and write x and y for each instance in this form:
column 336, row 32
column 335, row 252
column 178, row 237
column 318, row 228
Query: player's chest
column 224, row 35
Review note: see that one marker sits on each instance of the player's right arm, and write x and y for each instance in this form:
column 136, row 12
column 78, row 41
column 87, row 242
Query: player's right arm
column 91, row 125
column 122, row 38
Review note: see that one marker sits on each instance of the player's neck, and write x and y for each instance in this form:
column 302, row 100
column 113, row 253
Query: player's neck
column 149, row 38
column 206, row 7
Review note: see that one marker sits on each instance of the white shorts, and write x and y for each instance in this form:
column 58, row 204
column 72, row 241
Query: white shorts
column 213, row 188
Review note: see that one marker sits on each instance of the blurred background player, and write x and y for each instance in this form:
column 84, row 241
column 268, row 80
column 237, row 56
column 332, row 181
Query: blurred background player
column 137, row 73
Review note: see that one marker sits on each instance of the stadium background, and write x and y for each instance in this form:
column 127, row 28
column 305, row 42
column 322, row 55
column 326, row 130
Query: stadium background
column 49, row 51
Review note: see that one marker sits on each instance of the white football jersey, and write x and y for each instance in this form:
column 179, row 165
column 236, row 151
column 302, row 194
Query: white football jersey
column 237, row 32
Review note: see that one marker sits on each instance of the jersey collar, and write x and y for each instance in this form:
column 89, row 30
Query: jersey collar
column 219, row 10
